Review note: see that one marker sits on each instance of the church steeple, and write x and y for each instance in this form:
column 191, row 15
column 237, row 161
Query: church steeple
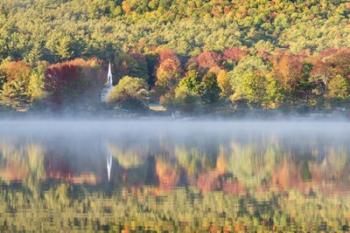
column 108, row 85
column 109, row 76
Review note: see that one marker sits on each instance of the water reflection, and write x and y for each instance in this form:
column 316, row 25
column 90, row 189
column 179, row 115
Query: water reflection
column 200, row 180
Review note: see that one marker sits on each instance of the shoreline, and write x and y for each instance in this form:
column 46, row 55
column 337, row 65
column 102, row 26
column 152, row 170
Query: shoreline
column 259, row 115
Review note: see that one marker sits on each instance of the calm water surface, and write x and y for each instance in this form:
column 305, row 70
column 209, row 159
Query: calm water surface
column 170, row 176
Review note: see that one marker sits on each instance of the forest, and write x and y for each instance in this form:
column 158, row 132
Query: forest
column 191, row 56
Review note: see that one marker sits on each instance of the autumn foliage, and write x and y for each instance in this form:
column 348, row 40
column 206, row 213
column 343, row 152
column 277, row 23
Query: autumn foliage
column 167, row 174
column 289, row 68
column 331, row 62
column 15, row 80
column 234, row 54
column 15, row 70
column 168, row 72
column 74, row 81
column 208, row 59
column 235, row 78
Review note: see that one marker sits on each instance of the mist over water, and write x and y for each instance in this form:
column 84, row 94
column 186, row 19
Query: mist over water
column 154, row 125
column 174, row 174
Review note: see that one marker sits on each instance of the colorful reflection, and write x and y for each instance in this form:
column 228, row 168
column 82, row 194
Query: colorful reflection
column 164, row 183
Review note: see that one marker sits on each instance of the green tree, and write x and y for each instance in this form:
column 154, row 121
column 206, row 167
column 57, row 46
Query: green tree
column 253, row 84
column 15, row 94
column 36, row 86
column 338, row 90
column 209, row 89
column 187, row 93
column 129, row 93
column 2, row 80
column 224, row 84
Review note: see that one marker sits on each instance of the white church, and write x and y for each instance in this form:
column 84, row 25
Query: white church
column 108, row 85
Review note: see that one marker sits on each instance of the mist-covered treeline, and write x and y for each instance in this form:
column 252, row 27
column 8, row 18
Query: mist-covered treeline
column 193, row 56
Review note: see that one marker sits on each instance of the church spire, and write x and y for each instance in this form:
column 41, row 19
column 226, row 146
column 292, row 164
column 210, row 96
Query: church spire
column 108, row 85
column 109, row 76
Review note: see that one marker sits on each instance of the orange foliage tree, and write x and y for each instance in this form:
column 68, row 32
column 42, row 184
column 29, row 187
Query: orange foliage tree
column 15, row 88
column 168, row 72
column 288, row 68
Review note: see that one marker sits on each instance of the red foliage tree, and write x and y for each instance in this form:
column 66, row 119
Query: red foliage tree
column 234, row 54
column 319, row 68
column 338, row 63
column 328, row 52
column 165, row 54
column 332, row 62
column 208, row 59
column 73, row 81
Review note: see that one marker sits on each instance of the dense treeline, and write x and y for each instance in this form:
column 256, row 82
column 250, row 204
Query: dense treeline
column 189, row 55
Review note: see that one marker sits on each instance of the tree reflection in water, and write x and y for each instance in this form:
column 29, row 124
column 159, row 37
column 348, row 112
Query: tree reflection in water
column 193, row 183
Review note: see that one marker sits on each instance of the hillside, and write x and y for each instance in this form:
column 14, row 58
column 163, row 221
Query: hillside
column 212, row 35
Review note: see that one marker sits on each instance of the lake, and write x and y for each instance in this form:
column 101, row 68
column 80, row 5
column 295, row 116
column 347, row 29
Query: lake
column 174, row 176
